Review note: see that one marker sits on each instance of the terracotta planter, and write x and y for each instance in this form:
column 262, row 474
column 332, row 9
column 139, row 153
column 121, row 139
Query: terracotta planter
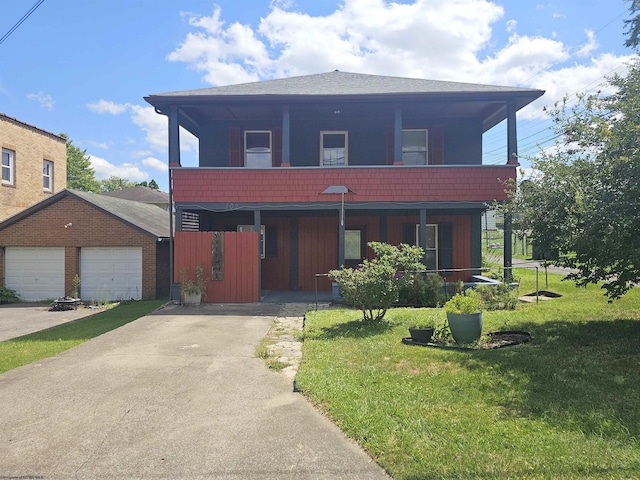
column 465, row 327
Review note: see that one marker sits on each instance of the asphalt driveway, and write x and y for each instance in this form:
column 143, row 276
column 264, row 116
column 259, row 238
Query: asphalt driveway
column 18, row 319
column 177, row 394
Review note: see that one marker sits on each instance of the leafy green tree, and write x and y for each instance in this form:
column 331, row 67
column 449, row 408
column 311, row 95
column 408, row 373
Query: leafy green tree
column 115, row 183
column 584, row 200
column 633, row 25
column 80, row 174
column 151, row 184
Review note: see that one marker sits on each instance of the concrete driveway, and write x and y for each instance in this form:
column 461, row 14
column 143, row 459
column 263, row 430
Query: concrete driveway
column 19, row 319
column 176, row 394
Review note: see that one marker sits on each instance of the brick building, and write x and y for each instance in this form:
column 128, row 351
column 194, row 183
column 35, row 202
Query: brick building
column 34, row 165
column 119, row 248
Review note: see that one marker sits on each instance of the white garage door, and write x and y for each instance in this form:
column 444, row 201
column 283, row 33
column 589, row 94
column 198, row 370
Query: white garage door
column 35, row 273
column 111, row 273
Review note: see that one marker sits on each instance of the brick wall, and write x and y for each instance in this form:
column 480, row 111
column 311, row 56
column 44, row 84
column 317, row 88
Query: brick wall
column 91, row 228
column 31, row 146
column 390, row 184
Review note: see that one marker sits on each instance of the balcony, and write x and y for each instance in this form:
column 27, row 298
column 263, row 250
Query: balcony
column 472, row 183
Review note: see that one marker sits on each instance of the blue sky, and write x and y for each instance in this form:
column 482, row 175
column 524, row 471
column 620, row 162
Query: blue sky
column 83, row 67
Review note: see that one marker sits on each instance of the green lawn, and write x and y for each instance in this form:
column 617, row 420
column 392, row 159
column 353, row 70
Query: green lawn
column 48, row 343
column 566, row 405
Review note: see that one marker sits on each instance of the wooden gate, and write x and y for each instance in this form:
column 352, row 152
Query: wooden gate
column 231, row 277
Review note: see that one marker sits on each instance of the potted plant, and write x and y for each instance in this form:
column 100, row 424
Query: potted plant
column 464, row 315
column 192, row 290
column 422, row 329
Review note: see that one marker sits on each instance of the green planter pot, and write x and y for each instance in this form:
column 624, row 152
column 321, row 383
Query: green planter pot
column 465, row 327
column 421, row 335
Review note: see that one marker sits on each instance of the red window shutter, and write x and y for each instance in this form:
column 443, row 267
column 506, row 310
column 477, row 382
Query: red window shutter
column 235, row 147
column 436, row 145
column 276, row 146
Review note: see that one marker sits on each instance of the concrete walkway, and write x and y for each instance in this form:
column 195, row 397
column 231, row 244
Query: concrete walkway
column 177, row 394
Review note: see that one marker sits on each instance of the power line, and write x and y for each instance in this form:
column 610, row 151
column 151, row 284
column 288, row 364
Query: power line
column 19, row 22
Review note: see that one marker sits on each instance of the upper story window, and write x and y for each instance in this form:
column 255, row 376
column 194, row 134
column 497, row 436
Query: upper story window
column 47, row 175
column 333, row 148
column 8, row 166
column 257, row 149
column 414, row 147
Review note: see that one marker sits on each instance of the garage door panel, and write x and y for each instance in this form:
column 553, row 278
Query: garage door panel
column 35, row 273
column 111, row 273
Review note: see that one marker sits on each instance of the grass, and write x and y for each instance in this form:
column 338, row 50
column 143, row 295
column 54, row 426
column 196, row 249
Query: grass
column 563, row 406
column 53, row 341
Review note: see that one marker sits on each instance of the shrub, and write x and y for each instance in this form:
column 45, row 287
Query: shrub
column 498, row 297
column 8, row 296
column 375, row 284
column 421, row 291
column 466, row 302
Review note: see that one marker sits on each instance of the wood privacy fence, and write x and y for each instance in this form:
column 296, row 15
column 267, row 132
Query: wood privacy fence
column 231, row 278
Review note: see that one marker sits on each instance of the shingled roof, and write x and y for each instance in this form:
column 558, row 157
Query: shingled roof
column 339, row 83
column 140, row 194
column 148, row 218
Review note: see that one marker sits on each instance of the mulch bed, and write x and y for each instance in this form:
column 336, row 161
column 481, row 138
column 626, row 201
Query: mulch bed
column 505, row 338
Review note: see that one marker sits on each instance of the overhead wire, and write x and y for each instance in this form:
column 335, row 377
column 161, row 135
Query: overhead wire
column 21, row 21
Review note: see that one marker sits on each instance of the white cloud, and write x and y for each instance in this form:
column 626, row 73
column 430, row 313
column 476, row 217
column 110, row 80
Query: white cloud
column 103, row 145
column 421, row 38
column 155, row 164
column 589, row 45
column 104, row 169
column 106, row 106
column 45, row 101
column 140, row 153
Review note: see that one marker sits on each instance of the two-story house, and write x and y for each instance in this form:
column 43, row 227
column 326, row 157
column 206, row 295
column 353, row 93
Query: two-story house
column 34, row 165
column 322, row 164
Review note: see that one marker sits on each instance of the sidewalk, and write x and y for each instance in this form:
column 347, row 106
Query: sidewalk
column 175, row 395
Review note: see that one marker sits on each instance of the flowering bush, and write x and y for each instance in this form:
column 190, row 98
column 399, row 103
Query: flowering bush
column 374, row 285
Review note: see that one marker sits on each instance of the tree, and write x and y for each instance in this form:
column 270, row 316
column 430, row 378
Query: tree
column 152, row 184
column 633, row 25
column 115, row 183
column 584, row 201
column 80, row 174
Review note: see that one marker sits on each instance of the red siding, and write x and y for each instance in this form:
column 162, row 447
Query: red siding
column 318, row 251
column 389, row 184
column 240, row 282
column 276, row 271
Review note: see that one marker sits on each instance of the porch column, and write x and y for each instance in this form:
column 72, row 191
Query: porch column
column 257, row 224
column 294, row 254
column 422, row 232
column 286, row 161
column 512, row 152
column 174, row 137
column 174, row 161
column 512, row 136
column 383, row 228
column 341, row 236
column 476, row 242
column 397, row 136
column 178, row 221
